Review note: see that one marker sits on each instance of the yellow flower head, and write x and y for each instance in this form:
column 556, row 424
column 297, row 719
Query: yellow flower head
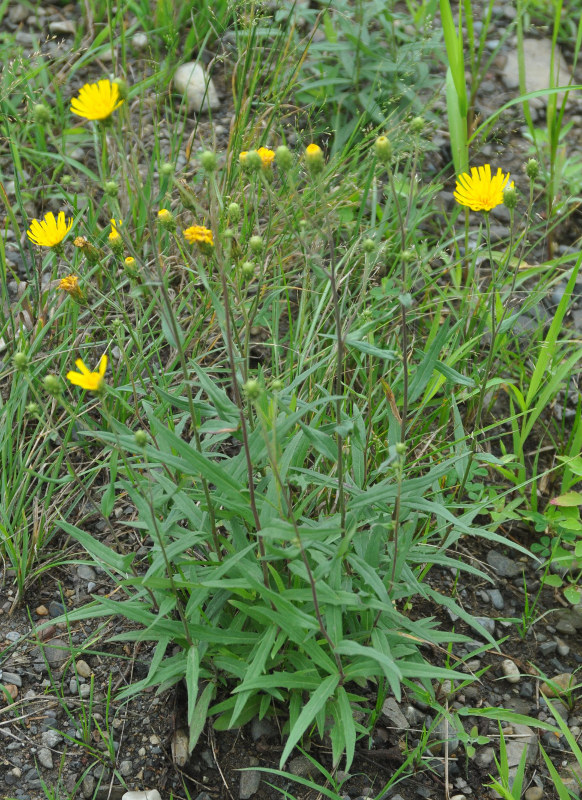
column 49, row 232
column 97, row 100
column 201, row 236
column 115, row 237
column 129, row 261
column 92, row 381
column 242, row 158
column 314, row 157
column 71, row 286
column 267, row 156
column 481, row 191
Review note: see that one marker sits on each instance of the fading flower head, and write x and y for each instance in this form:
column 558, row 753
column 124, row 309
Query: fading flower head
column 481, row 191
column 92, row 253
column 49, row 232
column 92, row 381
column 70, row 285
column 198, row 234
column 97, row 101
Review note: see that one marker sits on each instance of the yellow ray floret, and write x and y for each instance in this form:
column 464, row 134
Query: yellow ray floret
column 96, row 101
column 480, row 190
column 92, row 381
column 49, row 232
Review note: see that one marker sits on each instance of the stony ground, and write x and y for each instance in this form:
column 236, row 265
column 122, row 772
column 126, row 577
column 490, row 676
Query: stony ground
column 61, row 727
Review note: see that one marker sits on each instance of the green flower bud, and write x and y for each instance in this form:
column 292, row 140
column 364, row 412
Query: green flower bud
column 314, row 158
column 510, row 197
column 33, row 409
column 532, row 169
column 277, row 385
column 41, row 114
column 248, row 270
column 252, row 389
column 140, row 438
column 417, row 125
column 167, row 169
column 122, row 86
column 208, row 161
column 253, row 161
column 229, row 233
column 256, row 244
column 283, row 158
column 52, row 385
column 408, row 256
column 383, row 149
column 369, row 245
column 234, row 212
column 111, row 188
column 401, row 448
column 21, row 361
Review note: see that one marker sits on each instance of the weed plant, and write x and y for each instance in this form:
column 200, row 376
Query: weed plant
column 277, row 359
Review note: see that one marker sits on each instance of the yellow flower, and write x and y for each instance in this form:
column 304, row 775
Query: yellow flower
column 115, row 235
column 201, row 236
column 166, row 219
column 97, row 100
column 49, row 232
column 481, row 191
column 70, row 284
column 93, row 381
column 314, row 157
column 129, row 261
column 267, row 156
column 242, row 158
column 92, row 253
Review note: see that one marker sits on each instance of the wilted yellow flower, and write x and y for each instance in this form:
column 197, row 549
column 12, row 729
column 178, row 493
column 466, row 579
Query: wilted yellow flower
column 97, row 100
column 267, row 156
column 92, row 381
column 70, row 285
column 92, row 253
column 201, row 236
column 49, row 232
column 481, row 191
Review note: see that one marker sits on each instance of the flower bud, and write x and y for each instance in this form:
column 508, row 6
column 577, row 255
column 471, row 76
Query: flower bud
column 167, row 169
column 510, row 197
column 401, row 448
column 234, row 212
column 122, row 86
column 141, row 438
column 208, row 161
column 130, row 266
column 252, row 389
column 532, row 169
column 111, row 188
column 21, row 361
column 33, row 409
column 52, row 385
column 314, row 158
column 166, row 219
column 383, row 149
column 92, row 254
column 283, row 158
column 253, row 161
column 417, row 125
column 248, row 270
column 41, row 114
column 256, row 244
column 369, row 245
column 277, row 385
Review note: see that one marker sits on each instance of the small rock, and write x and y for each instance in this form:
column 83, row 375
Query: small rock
column 151, row 794
column 496, row 599
column 179, row 746
column 11, row 677
column 86, row 573
column 262, row 727
column 83, row 669
column 547, row 648
column 88, row 786
column 504, row 567
column 191, row 81
column 510, row 670
column 139, row 41
column 56, row 652
column 66, row 26
column 125, row 768
column 393, row 716
column 300, row 766
column 558, row 685
column 487, row 623
column 443, row 731
column 12, row 690
column 250, row 781
column 42, row 611
column 524, row 737
column 12, row 636
column 534, row 793
column 56, row 609
column 45, row 757
column 51, row 738
column 563, row 648
column 484, row 757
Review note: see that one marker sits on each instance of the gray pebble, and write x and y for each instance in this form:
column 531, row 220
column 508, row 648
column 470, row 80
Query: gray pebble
column 51, row 738
column 547, row 648
column 10, row 677
column 504, row 567
column 86, row 573
column 534, row 793
column 12, row 636
column 125, row 768
column 250, row 781
column 496, row 599
column 45, row 757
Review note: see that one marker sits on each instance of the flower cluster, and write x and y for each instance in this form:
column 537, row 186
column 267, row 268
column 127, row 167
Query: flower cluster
column 201, row 236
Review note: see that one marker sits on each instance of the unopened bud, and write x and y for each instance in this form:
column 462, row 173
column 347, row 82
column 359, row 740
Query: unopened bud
column 234, row 212
column 111, row 188
column 141, row 438
column 401, row 448
column 417, row 125
column 283, row 158
column 383, row 149
column 41, row 114
column 33, row 409
column 208, row 161
column 248, row 270
column 314, row 158
column 369, row 245
column 256, row 244
column 253, row 161
column 277, row 385
column 21, row 361
column 52, row 385
column 510, row 197
column 252, row 389
column 166, row 219
column 532, row 169
column 122, row 86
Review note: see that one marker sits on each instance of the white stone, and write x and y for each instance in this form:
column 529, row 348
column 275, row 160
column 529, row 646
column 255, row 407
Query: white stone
column 151, row 794
column 510, row 671
column 139, row 41
column 191, row 81
column 537, row 55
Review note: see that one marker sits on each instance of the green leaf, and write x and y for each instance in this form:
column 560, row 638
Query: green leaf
column 200, row 715
column 102, row 554
column 308, row 713
column 567, row 500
